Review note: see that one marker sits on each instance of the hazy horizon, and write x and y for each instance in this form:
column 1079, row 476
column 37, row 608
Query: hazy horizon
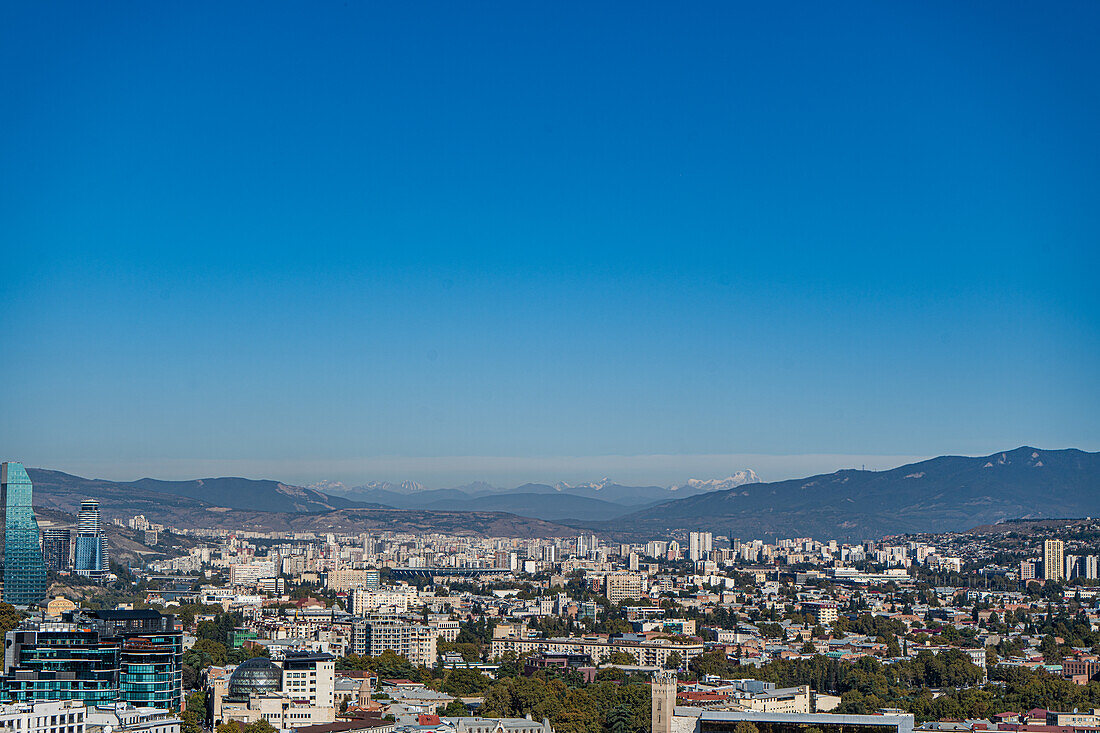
column 503, row 472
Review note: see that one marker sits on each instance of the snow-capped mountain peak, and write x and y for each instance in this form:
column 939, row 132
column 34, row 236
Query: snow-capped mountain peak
column 594, row 485
column 747, row 476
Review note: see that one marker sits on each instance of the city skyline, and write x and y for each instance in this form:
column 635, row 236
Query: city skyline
column 574, row 232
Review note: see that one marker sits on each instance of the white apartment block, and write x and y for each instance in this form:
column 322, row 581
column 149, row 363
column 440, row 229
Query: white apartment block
column 249, row 573
column 65, row 716
column 397, row 599
column 651, row 652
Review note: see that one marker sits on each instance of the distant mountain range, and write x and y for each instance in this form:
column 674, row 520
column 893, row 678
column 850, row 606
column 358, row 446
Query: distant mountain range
column 949, row 493
column 65, row 492
column 261, row 505
column 600, row 500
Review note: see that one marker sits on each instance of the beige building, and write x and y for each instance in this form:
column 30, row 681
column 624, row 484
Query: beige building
column 340, row 581
column 662, row 698
column 1053, row 560
column 624, row 586
column 58, row 605
column 646, row 652
column 415, row 642
column 395, row 599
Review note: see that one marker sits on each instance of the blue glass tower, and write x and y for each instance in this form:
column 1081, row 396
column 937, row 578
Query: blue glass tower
column 23, row 568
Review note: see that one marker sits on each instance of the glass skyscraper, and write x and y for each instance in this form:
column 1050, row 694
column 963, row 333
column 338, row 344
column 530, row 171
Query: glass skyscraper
column 24, row 571
column 90, row 549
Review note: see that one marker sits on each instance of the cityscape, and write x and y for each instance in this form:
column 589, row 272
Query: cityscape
column 519, row 367
column 137, row 625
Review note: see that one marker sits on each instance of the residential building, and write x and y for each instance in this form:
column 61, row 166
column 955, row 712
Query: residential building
column 125, row 718
column 646, row 652
column 699, row 545
column 395, row 599
column 1053, row 560
column 341, row 581
column 415, row 642
column 624, row 586
column 825, row 612
column 62, row 716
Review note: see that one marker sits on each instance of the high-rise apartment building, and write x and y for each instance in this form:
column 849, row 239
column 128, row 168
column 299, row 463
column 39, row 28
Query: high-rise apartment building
column 90, row 550
column 623, row 586
column 24, row 572
column 1053, row 560
column 699, row 545
column 415, row 642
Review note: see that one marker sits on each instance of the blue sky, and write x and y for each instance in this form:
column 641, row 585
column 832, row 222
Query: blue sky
column 542, row 241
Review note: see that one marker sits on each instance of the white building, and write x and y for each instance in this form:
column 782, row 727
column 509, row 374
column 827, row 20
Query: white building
column 64, row 716
column 129, row 719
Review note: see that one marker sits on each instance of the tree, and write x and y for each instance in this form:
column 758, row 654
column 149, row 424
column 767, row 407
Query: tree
column 211, row 652
column 744, row 726
column 673, row 660
column 260, row 726
column 9, row 618
column 619, row 719
column 455, row 709
column 194, row 712
column 464, row 682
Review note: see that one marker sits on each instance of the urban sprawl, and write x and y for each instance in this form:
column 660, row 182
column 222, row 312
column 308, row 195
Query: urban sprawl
column 384, row 632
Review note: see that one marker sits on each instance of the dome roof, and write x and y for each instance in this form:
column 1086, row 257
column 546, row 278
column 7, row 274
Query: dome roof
column 257, row 676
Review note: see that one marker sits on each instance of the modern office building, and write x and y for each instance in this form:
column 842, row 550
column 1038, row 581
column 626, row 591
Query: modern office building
column 299, row 693
column 60, row 661
column 1053, row 560
column 90, row 549
column 97, row 657
column 57, row 549
column 24, row 572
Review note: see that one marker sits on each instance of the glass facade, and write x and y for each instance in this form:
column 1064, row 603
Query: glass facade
column 61, row 662
column 98, row 657
column 90, row 548
column 151, row 672
column 88, row 556
column 23, row 568
column 256, row 676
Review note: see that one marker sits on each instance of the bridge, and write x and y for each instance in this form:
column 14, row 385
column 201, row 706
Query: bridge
column 452, row 572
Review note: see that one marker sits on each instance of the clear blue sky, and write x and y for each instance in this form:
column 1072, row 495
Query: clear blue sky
column 349, row 241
